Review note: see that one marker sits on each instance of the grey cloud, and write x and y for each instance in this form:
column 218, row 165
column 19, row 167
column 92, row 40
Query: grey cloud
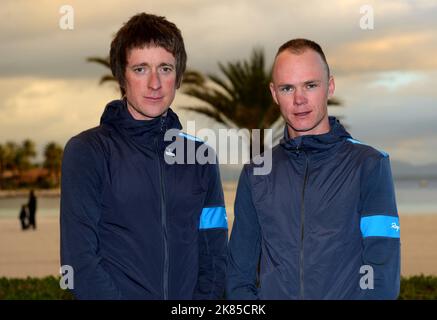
column 32, row 43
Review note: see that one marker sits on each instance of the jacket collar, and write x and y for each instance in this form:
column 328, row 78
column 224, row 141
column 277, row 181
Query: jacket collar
column 313, row 144
column 142, row 132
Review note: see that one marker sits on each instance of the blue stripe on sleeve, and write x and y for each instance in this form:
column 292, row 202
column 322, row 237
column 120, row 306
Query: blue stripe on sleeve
column 214, row 217
column 380, row 226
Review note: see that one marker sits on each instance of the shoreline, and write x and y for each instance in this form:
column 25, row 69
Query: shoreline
column 16, row 193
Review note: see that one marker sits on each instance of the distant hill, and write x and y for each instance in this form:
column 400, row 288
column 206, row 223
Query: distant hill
column 405, row 170
column 401, row 170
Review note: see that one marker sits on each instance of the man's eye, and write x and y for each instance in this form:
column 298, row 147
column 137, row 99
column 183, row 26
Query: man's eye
column 166, row 69
column 312, row 85
column 286, row 89
column 139, row 70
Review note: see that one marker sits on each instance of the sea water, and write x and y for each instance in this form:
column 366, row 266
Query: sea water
column 412, row 197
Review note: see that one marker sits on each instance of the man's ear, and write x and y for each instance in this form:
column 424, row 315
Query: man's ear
column 273, row 92
column 331, row 87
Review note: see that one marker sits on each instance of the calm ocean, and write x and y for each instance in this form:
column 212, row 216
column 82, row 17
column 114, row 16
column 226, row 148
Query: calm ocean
column 413, row 197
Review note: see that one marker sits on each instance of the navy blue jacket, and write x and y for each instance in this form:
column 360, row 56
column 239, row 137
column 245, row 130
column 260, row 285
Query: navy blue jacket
column 134, row 226
column 322, row 225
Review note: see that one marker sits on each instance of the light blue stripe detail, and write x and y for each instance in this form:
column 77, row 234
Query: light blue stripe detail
column 189, row 137
column 385, row 154
column 214, row 217
column 380, row 226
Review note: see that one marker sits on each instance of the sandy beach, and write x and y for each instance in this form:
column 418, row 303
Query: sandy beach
column 36, row 253
column 29, row 253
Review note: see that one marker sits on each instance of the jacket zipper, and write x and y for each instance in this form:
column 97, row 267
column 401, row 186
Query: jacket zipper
column 163, row 215
column 302, row 229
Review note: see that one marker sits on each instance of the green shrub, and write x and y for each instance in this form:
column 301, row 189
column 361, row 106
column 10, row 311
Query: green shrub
column 413, row 288
column 418, row 288
column 33, row 289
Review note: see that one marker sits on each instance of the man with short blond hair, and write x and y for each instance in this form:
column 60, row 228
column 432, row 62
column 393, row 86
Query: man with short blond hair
column 323, row 224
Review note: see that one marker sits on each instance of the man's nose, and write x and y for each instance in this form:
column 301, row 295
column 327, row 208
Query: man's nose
column 154, row 81
column 299, row 97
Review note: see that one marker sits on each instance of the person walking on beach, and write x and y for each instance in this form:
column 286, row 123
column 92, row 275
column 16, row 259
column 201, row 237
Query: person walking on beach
column 24, row 217
column 32, row 206
column 323, row 224
column 134, row 226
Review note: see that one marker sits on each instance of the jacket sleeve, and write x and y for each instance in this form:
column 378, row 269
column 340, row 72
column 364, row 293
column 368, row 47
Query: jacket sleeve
column 244, row 245
column 380, row 234
column 80, row 213
column 213, row 239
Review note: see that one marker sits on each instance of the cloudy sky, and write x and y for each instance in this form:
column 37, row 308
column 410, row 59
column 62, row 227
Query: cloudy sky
column 385, row 76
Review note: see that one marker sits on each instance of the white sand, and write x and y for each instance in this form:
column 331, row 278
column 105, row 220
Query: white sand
column 29, row 253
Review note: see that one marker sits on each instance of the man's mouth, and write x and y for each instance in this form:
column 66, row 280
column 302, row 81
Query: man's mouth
column 302, row 114
column 154, row 98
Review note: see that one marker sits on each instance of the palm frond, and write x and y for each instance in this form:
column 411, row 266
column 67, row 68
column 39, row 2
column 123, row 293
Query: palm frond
column 228, row 88
column 107, row 78
column 214, row 98
column 192, row 77
column 102, row 61
column 334, row 102
column 207, row 112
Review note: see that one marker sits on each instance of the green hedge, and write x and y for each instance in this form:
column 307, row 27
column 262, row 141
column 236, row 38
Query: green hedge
column 33, row 289
column 416, row 288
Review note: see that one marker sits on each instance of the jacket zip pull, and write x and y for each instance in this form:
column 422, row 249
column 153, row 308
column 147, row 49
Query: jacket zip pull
column 162, row 129
column 163, row 124
column 298, row 149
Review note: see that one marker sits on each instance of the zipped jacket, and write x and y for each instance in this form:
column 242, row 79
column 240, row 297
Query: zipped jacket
column 323, row 224
column 134, row 226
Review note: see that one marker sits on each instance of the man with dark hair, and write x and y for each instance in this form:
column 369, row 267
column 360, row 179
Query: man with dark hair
column 323, row 224
column 134, row 226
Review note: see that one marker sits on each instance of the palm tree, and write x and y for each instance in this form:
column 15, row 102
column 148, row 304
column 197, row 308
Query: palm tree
column 23, row 155
column 241, row 100
column 15, row 158
column 53, row 159
column 10, row 151
column 28, row 147
column 108, row 77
